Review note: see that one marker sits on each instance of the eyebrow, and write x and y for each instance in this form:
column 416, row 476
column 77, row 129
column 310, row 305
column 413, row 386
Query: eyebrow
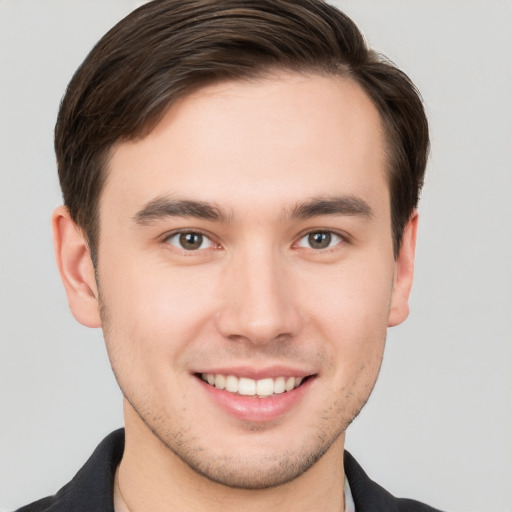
column 162, row 207
column 333, row 205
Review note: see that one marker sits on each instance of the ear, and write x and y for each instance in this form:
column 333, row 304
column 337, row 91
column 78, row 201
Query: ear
column 404, row 273
column 76, row 269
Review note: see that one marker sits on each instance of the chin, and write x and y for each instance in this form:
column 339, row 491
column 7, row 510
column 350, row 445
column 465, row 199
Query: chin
column 253, row 473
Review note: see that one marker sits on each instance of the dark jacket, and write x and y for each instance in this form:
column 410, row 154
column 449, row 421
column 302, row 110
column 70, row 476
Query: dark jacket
column 91, row 490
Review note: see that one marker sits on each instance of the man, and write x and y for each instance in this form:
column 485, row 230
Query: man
column 240, row 183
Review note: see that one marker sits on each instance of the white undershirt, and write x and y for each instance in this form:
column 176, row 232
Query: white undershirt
column 349, row 501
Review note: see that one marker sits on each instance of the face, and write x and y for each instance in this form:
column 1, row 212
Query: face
column 246, row 274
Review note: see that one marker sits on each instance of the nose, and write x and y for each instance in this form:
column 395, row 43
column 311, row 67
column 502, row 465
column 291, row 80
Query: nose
column 259, row 304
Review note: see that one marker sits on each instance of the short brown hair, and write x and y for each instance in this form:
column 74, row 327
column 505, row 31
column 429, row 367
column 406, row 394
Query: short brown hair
column 168, row 48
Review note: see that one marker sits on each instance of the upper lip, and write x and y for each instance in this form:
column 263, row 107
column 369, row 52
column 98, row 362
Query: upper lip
column 257, row 373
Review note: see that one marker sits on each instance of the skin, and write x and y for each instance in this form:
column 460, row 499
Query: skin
column 255, row 295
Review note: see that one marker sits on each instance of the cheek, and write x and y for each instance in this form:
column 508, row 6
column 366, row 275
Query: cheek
column 350, row 299
column 349, row 306
column 151, row 305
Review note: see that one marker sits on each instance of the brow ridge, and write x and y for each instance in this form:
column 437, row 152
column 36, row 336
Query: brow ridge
column 162, row 207
column 333, row 205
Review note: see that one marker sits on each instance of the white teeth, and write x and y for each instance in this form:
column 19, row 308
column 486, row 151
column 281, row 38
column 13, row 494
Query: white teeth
column 290, row 383
column 231, row 384
column 265, row 387
column 220, row 381
column 250, row 387
column 246, row 386
column 279, row 385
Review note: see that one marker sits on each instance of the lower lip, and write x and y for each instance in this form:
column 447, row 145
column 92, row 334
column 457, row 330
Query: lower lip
column 256, row 409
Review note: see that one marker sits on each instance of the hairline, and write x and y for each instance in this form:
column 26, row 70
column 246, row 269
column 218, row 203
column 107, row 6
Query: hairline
column 259, row 74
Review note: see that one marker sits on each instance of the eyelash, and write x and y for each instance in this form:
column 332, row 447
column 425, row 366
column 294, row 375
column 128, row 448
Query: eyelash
column 178, row 234
column 331, row 235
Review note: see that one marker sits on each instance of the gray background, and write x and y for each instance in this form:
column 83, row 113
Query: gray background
column 438, row 426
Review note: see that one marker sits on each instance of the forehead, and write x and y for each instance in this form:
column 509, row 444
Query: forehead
column 266, row 142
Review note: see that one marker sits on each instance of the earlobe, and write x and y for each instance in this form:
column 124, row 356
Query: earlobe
column 404, row 273
column 75, row 268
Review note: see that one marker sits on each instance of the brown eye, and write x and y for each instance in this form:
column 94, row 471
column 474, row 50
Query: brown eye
column 189, row 241
column 320, row 240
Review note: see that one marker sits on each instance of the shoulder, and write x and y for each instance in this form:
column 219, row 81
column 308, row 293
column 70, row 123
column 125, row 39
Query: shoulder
column 369, row 496
column 43, row 505
column 92, row 487
column 407, row 505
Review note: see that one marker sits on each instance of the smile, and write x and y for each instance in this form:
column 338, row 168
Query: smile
column 249, row 387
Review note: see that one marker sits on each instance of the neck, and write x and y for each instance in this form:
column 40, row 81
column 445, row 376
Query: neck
column 152, row 478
